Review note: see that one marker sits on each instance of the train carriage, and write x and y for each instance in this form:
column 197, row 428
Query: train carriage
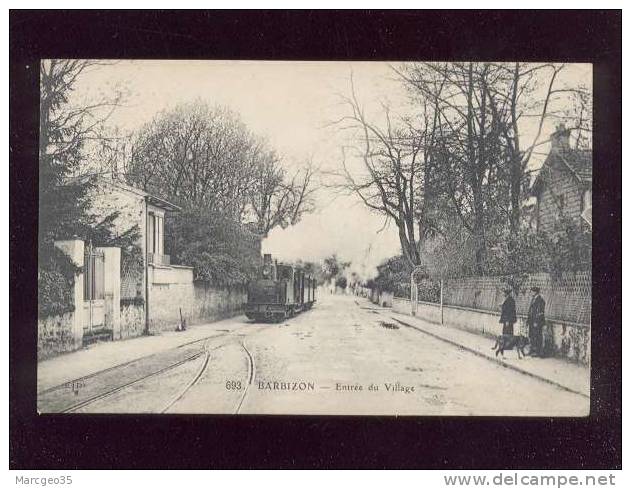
column 279, row 292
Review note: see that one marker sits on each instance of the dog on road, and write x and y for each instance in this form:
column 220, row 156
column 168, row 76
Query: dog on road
column 510, row 342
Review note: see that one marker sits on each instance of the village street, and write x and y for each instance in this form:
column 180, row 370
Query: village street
column 345, row 356
column 323, row 237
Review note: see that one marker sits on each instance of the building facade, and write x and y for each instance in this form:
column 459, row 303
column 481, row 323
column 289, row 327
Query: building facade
column 134, row 209
column 123, row 294
column 563, row 187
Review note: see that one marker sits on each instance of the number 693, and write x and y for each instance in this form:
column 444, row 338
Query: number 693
column 233, row 385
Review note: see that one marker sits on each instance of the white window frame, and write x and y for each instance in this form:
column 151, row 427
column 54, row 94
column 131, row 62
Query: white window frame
column 587, row 196
column 151, row 233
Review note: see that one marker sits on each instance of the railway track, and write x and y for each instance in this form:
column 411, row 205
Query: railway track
column 57, row 399
column 110, row 392
column 195, row 380
column 83, row 379
column 86, row 388
column 251, row 374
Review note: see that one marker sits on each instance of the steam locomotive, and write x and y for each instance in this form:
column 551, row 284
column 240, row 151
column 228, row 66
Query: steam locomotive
column 279, row 292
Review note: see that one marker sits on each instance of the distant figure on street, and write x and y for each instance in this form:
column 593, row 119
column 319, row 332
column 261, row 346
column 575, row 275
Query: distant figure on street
column 509, row 315
column 536, row 321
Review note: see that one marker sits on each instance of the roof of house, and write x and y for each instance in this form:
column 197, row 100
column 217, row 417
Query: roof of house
column 151, row 199
column 162, row 204
column 577, row 162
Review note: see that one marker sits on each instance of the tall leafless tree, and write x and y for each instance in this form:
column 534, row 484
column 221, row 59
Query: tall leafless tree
column 483, row 160
column 67, row 126
column 278, row 199
column 394, row 174
column 205, row 157
column 197, row 156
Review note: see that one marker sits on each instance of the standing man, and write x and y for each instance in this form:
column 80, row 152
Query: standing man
column 509, row 315
column 536, row 320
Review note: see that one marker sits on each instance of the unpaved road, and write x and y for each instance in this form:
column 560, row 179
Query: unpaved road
column 345, row 356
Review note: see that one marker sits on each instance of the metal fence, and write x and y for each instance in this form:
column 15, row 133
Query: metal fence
column 94, row 279
column 427, row 290
column 568, row 298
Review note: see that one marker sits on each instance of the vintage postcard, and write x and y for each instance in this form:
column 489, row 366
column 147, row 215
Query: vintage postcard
column 315, row 238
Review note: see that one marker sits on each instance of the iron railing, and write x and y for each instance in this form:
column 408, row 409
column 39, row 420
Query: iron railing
column 94, row 278
column 568, row 298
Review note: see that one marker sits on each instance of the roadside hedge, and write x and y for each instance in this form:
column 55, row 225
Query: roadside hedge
column 55, row 282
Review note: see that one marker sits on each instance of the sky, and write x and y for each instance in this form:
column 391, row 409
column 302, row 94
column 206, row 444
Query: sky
column 293, row 104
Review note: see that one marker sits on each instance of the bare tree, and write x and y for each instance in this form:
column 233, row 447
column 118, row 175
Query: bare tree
column 482, row 156
column 512, row 97
column 206, row 160
column 394, row 174
column 197, row 156
column 466, row 144
column 277, row 199
column 66, row 128
column 204, row 157
column 304, row 186
column 580, row 117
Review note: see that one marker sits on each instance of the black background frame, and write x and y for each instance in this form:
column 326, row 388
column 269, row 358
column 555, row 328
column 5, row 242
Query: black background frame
column 204, row 442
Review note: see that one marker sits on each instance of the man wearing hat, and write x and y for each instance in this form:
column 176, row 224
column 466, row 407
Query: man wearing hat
column 536, row 320
column 509, row 314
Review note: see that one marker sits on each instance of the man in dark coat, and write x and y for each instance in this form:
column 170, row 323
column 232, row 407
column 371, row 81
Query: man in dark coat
column 509, row 315
column 536, row 320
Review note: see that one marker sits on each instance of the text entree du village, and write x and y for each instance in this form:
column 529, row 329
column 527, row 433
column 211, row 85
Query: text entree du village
column 394, row 387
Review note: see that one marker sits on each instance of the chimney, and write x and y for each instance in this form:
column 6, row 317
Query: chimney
column 267, row 259
column 560, row 139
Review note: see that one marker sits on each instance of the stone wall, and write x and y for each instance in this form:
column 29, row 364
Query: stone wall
column 427, row 311
column 562, row 339
column 173, row 290
column 165, row 302
column 212, row 303
column 55, row 335
column 132, row 321
column 59, row 334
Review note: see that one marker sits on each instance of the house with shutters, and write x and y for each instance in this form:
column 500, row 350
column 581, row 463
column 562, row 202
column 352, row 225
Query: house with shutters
column 140, row 274
column 111, row 295
column 563, row 187
column 156, row 294
column 120, row 294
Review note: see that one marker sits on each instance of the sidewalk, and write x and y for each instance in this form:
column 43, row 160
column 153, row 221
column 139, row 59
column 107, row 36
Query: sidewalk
column 100, row 356
column 571, row 377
